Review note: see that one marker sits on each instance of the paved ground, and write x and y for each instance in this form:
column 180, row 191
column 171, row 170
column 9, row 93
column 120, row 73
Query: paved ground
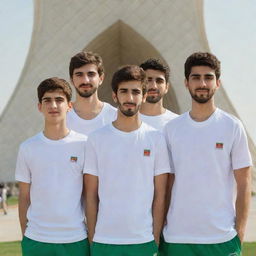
column 10, row 229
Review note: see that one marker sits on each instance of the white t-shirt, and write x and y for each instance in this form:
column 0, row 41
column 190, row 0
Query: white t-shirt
column 54, row 170
column 107, row 115
column 159, row 121
column 203, row 156
column 125, row 163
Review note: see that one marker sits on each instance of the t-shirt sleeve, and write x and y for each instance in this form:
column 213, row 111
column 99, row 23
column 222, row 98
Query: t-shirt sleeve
column 161, row 159
column 90, row 163
column 240, row 154
column 22, row 171
column 169, row 149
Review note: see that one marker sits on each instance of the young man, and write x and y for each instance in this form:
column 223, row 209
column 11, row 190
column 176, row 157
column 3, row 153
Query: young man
column 49, row 171
column 89, row 113
column 209, row 158
column 152, row 111
column 126, row 170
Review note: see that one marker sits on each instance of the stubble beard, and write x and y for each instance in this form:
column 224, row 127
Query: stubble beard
column 202, row 98
column 86, row 94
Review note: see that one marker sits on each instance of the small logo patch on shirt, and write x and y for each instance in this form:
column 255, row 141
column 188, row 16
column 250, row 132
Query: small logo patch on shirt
column 146, row 152
column 73, row 159
column 219, row 145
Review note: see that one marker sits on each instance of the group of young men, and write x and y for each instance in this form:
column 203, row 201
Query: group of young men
column 149, row 182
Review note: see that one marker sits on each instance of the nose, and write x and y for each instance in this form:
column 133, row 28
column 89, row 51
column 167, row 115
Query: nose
column 86, row 79
column 203, row 83
column 54, row 104
column 129, row 97
column 152, row 84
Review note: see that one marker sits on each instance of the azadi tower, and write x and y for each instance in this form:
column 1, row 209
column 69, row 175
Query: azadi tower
column 122, row 32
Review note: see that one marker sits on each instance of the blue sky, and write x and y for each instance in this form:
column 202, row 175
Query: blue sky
column 231, row 32
column 16, row 22
column 230, row 28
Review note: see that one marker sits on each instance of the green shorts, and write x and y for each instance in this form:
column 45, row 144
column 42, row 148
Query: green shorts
column 232, row 247
column 34, row 248
column 145, row 249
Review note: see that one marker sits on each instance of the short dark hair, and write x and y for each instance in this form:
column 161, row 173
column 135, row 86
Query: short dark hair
column 84, row 58
column 202, row 59
column 156, row 64
column 129, row 73
column 53, row 84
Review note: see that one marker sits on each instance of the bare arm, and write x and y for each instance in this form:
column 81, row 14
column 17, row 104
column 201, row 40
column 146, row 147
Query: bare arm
column 158, row 208
column 91, row 203
column 168, row 197
column 243, row 180
column 24, row 202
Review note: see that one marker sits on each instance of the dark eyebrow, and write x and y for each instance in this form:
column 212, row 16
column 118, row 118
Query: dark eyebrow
column 195, row 75
column 78, row 73
column 209, row 75
column 46, row 98
column 123, row 89
column 136, row 90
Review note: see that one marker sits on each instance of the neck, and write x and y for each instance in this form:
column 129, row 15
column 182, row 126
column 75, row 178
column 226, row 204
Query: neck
column 201, row 112
column 88, row 108
column 127, row 124
column 152, row 109
column 55, row 131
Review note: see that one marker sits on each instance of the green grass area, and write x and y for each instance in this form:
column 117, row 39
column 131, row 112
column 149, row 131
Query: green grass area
column 249, row 249
column 13, row 249
column 10, row 249
column 12, row 200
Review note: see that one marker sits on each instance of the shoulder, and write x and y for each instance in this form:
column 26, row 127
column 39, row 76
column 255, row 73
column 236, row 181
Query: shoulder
column 223, row 116
column 76, row 136
column 178, row 120
column 171, row 114
column 150, row 131
column 108, row 107
column 98, row 133
column 31, row 141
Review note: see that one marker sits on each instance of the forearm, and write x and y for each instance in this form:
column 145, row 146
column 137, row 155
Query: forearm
column 23, row 208
column 243, row 179
column 242, row 209
column 158, row 212
column 169, row 193
column 91, row 216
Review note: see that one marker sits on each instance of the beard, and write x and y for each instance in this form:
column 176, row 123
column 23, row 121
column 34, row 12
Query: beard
column 128, row 112
column 202, row 97
column 88, row 93
column 154, row 98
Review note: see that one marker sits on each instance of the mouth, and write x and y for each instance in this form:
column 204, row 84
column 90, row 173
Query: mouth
column 152, row 92
column 53, row 112
column 85, row 86
column 202, row 90
column 129, row 105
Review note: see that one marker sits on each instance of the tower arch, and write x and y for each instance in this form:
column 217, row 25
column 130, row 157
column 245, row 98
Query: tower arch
column 121, row 50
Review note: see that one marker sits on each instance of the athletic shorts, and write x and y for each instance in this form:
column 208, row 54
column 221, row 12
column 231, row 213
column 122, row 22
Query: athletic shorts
column 229, row 248
column 145, row 249
column 34, row 248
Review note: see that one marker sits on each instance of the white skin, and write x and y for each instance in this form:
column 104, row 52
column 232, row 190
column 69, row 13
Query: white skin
column 157, row 87
column 202, row 84
column 86, row 81
column 129, row 97
column 54, row 108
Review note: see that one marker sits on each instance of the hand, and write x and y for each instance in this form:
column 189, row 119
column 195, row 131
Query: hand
column 240, row 234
